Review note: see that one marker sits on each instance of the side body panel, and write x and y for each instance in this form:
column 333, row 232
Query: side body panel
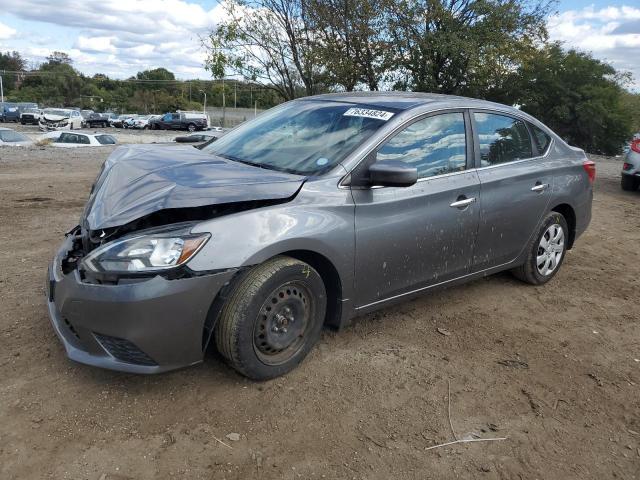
column 411, row 237
column 510, row 210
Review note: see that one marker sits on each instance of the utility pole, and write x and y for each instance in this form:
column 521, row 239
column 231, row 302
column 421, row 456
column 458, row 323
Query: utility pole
column 204, row 108
column 235, row 95
column 255, row 109
column 1, row 90
column 224, row 105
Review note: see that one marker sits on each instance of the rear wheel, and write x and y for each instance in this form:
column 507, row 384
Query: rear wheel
column 272, row 318
column 191, row 127
column 546, row 251
column 628, row 183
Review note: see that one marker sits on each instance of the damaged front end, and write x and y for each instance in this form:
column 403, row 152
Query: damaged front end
column 120, row 292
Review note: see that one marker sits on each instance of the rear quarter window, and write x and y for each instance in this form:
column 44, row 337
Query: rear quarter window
column 541, row 138
column 502, row 139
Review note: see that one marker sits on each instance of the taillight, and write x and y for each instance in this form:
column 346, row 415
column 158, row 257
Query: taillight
column 590, row 167
column 627, row 166
column 635, row 145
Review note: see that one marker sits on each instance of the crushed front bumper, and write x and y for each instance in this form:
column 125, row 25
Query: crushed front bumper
column 151, row 326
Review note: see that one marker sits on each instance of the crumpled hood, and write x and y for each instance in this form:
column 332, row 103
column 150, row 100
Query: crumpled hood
column 54, row 118
column 141, row 179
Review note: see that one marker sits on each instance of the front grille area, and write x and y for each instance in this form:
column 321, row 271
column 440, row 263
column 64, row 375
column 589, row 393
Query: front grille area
column 124, row 350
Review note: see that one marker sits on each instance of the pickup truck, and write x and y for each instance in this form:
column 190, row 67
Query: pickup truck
column 179, row 121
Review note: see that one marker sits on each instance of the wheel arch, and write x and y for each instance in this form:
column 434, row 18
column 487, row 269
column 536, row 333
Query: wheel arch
column 325, row 268
column 332, row 282
column 569, row 215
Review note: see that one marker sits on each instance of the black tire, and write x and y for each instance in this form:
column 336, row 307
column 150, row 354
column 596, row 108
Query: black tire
column 257, row 331
column 628, row 183
column 529, row 271
column 191, row 127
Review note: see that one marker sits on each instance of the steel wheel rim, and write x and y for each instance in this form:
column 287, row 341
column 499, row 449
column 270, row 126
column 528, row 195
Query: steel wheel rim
column 283, row 320
column 550, row 250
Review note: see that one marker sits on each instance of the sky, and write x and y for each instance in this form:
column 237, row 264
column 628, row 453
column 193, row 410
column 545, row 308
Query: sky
column 122, row 37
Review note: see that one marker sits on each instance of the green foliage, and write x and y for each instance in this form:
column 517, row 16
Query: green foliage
column 463, row 47
column 577, row 96
column 631, row 104
column 57, row 84
column 13, row 62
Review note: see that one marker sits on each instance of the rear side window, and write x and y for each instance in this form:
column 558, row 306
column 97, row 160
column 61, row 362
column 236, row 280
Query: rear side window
column 502, row 139
column 435, row 145
column 541, row 138
column 106, row 140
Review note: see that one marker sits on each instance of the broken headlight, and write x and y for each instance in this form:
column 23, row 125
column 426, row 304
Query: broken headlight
column 148, row 253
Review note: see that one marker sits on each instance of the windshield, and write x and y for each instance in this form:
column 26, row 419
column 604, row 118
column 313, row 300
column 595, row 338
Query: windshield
column 11, row 136
column 304, row 137
column 55, row 111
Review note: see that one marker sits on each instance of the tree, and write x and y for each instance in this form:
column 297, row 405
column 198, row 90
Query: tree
column 59, row 58
column 266, row 41
column 463, row 46
column 11, row 62
column 577, row 96
column 631, row 102
column 350, row 41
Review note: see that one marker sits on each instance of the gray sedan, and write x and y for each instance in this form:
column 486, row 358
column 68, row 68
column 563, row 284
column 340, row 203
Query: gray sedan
column 317, row 211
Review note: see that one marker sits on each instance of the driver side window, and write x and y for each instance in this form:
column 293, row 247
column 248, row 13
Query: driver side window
column 435, row 145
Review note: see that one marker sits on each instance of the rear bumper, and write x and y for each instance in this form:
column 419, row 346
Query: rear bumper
column 152, row 326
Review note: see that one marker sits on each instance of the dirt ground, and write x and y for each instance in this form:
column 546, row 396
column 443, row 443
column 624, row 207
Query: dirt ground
column 554, row 369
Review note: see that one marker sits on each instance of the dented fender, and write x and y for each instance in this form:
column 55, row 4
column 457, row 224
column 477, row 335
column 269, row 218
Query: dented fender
column 250, row 237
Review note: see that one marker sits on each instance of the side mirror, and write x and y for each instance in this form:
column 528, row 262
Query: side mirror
column 392, row 173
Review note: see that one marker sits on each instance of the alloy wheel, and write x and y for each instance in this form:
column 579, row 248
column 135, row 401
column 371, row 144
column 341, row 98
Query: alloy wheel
column 550, row 250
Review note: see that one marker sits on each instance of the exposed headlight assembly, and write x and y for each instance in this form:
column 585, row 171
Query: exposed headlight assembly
column 145, row 254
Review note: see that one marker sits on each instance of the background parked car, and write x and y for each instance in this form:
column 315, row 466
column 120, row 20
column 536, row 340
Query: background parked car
column 11, row 138
column 142, row 122
column 9, row 112
column 129, row 122
column 78, row 139
column 30, row 116
column 180, row 121
column 85, row 114
column 96, row 120
column 118, row 120
column 631, row 167
column 60, row 119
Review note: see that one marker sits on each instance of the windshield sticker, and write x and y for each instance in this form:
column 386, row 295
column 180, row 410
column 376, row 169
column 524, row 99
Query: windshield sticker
column 368, row 113
column 322, row 161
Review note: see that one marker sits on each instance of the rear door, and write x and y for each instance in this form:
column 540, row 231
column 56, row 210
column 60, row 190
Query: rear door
column 409, row 238
column 515, row 187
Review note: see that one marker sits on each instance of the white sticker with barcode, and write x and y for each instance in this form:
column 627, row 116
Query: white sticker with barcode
column 368, row 113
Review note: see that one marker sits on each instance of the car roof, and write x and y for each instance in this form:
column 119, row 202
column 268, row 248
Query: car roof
column 406, row 100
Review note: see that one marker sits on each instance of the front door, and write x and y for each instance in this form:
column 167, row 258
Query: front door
column 409, row 238
column 516, row 188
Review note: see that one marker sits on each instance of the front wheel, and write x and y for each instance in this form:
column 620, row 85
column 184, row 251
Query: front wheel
column 629, row 183
column 272, row 318
column 546, row 251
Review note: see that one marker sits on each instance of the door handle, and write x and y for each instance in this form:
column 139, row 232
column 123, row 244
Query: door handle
column 463, row 202
column 540, row 187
